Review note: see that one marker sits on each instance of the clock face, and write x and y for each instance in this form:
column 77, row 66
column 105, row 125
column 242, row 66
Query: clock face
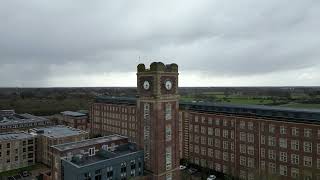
column 146, row 85
column 168, row 85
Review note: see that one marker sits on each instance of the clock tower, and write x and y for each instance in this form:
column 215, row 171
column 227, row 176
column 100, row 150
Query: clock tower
column 157, row 108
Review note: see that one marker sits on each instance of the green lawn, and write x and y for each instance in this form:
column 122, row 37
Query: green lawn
column 305, row 106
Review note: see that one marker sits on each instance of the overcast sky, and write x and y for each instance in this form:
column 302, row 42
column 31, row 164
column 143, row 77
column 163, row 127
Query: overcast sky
column 214, row 42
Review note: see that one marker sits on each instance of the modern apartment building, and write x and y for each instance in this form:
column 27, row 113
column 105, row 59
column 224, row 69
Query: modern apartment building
column 17, row 150
column 49, row 136
column 10, row 121
column 122, row 162
column 250, row 142
column 85, row 148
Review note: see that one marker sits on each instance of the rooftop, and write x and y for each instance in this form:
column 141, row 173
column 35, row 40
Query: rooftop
column 104, row 155
column 88, row 142
column 14, row 136
column 305, row 115
column 73, row 113
column 57, row 131
column 13, row 118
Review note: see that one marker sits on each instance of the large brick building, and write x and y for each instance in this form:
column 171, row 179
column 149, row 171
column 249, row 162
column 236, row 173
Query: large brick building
column 250, row 142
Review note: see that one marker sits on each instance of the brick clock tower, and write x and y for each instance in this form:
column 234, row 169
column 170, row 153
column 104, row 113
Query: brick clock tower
column 158, row 111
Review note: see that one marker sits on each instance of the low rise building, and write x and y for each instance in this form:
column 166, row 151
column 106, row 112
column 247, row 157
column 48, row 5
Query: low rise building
column 11, row 121
column 84, row 148
column 49, row 136
column 122, row 162
column 17, row 150
column 74, row 119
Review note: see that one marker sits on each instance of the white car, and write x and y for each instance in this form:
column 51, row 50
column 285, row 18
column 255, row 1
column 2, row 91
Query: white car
column 182, row 167
column 211, row 177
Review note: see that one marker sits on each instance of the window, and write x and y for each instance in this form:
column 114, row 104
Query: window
column 168, row 158
column 307, row 146
column 210, row 121
column 243, row 161
column 210, row 141
column 196, row 119
column 283, row 130
column 295, row 131
column 251, row 150
column 232, row 134
column 225, row 122
column 250, row 138
column 272, row 168
column 271, row 128
column 225, row 133
column 263, row 152
column 203, row 140
column 283, row 143
column 243, row 174
column 217, row 121
column 210, row 152
column 243, row 136
column 318, row 163
column 263, row 165
column 294, row 159
column 243, row 149
column 225, row 156
column 263, row 139
column 196, row 149
column 203, row 130
column 272, row 155
column 283, row 170
column 225, row 144
column 196, row 128
column 295, row 145
column 92, row 151
column 294, row 173
column 203, row 120
column 210, row 131
column 262, row 127
column 217, row 154
column 250, row 125
column 250, row 162
column 232, row 157
column 318, row 148
column 242, row 125
column 283, row 156
column 271, row 141
column 196, row 139
column 168, row 132
column 203, row 151
column 217, row 143
column 307, row 132
column 307, row 161
column 217, row 132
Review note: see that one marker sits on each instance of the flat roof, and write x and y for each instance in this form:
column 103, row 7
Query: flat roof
column 14, row 119
column 88, row 142
column 73, row 113
column 103, row 155
column 57, row 131
column 14, row 136
column 291, row 114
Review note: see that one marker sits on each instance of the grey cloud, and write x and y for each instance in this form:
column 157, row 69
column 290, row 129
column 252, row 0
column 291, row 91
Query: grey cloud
column 222, row 38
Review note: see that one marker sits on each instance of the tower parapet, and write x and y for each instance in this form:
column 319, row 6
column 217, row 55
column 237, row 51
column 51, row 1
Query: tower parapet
column 158, row 66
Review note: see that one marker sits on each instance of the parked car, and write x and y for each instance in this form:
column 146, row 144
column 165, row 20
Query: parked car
column 212, row 177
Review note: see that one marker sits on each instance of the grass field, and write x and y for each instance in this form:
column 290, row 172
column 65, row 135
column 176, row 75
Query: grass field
column 304, row 106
